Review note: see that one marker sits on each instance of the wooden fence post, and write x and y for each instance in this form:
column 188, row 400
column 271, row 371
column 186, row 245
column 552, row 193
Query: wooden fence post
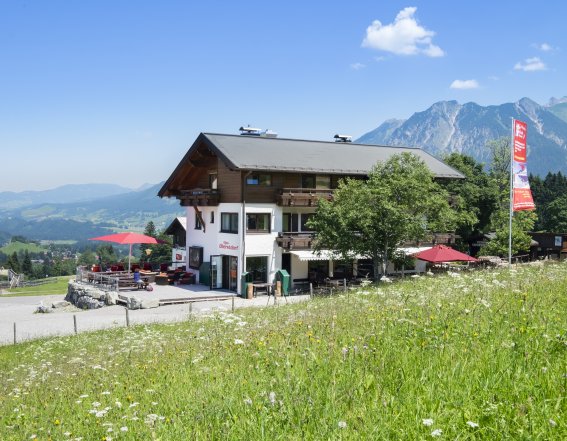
column 75, row 323
column 233, row 303
column 311, row 290
column 127, row 317
column 14, row 332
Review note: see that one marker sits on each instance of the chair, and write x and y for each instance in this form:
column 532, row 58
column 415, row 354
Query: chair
column 163, row 267
column 147, row 266
column 134, row 267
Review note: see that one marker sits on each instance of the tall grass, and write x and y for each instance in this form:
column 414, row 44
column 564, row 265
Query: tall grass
column 475, row 356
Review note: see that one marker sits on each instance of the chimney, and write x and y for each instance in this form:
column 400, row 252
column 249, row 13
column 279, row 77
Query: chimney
column 343, row 138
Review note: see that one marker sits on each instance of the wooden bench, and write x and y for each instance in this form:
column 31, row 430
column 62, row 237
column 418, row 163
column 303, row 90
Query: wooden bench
column 130, row 283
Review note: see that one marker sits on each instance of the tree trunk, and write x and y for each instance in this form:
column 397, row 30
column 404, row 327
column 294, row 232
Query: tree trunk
column 385, row 260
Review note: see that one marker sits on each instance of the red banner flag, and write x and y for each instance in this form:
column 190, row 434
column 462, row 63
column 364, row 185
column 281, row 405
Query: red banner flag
column 522, row 199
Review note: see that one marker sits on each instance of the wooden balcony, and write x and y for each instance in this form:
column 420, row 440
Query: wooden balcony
column 302, row 197
column 199, row 197
column 295, row 241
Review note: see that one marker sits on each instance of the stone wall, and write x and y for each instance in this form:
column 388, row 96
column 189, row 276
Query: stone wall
column 86, row 296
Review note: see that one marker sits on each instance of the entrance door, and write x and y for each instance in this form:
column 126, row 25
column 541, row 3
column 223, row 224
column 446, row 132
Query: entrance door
column 233, row 277
column 286, row 262
column 216, row 272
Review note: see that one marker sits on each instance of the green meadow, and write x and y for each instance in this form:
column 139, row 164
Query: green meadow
column 16, row 247
column 53, row 285
column 467, row 356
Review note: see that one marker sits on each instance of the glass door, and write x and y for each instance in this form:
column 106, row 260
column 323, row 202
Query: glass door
column 233, row 278
column 216, row 272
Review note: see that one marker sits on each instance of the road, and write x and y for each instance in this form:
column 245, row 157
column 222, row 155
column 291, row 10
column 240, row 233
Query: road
column 29, row 326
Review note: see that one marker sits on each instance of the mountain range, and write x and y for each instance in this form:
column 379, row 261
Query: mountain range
column 448, row 127
column 77, row 213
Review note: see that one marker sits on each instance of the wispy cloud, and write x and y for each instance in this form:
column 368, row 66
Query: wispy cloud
column 544, row 47
column 465, row 84
column 530, row 65
column 405, row 36
column 357, row 66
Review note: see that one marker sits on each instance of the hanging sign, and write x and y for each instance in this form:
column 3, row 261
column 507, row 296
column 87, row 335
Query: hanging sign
column 523, row 199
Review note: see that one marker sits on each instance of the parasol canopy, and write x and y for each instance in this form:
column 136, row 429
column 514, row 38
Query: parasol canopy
column 127, row 238
column 443, row 253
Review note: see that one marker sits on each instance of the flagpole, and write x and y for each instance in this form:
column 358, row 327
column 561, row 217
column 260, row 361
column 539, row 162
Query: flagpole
column 511, row 196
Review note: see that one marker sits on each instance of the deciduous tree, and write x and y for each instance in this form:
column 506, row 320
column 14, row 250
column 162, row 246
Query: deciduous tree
column 399, row 201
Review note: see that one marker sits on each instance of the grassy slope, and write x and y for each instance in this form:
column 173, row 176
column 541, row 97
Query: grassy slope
column 470, row 349
column 19, row 246
column 58, row 286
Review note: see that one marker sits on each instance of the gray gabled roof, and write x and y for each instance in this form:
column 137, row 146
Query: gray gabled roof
column 296, row 155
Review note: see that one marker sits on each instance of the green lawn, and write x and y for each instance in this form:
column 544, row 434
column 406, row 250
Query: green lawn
column 477, row 356
column 19, row 246
column 56, row 285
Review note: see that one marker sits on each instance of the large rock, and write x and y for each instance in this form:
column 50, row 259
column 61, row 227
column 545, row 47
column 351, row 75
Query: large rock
column 134, row 302
column 60, row 304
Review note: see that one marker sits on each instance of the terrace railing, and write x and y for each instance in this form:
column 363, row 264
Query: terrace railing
column 295, row 241
column 102, row 280
column 302, row 197
column 199, row 197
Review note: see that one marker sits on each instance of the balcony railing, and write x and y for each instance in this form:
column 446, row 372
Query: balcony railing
column 295, row 241
column 302, row 197
column 199, row 197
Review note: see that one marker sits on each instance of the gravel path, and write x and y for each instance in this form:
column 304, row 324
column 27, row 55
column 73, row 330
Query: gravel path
column 29, row 326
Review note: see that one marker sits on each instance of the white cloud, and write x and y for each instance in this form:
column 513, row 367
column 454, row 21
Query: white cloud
column 402, row 37
column 530, row 65
column 465, row 84
column 544, row 47
column 357, row 66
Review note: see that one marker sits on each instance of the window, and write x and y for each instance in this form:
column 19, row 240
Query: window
column 307, row 181
column 258, row 222
column 212, row 217
column 198, row 225
column 195, row 257
column 229, row 223
column 257, row 266
column 213, row 180
column 290, row 222
column 262, row 180
column 323, row 182
column 304, row 218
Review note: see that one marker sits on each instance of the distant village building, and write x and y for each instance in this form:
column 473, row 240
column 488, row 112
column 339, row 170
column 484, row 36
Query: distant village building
column 248, row 199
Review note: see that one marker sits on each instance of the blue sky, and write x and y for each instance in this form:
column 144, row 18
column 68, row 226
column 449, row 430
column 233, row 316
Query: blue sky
column 116, row 91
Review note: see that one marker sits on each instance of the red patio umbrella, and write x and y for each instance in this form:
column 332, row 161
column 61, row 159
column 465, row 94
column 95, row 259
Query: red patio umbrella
column 128, row 238
column 443, row 253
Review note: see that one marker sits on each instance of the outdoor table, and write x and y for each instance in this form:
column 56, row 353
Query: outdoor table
column 267, row 287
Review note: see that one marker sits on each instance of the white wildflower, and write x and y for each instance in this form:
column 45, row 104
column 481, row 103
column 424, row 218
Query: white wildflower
column 427, row 422
column 552, row 423
column 472, row 424
column 237, row 341
column 124, row 429
column 437, row 432
column 248, row 401
column 272, row 398
column 342, row 424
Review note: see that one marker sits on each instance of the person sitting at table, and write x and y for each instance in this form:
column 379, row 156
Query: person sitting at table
column 138, row 279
